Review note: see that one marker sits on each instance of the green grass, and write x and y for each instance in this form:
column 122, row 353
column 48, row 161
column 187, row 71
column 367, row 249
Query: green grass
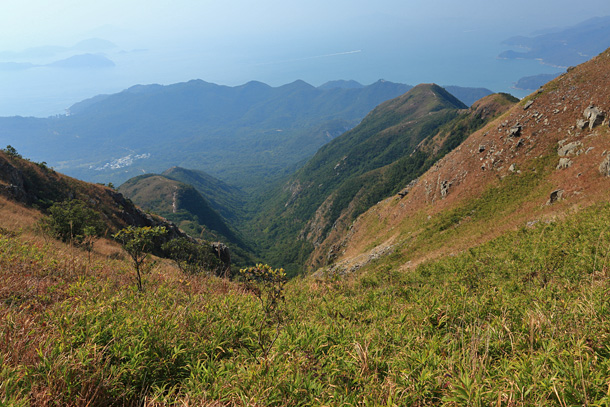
column 521, row 320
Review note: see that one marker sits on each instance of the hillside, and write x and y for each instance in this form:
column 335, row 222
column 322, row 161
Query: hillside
column 38, row 187
column 226, row 199
column 543, row 159
column 184, row 205
column 484, row 282
column 389, row 132
column 519, row 320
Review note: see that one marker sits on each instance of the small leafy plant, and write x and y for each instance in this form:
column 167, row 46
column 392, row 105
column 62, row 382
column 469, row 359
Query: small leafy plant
column 138, row 243
column 267, row 284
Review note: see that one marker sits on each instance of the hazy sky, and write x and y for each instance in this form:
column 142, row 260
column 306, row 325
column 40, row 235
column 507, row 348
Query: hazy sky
column 275, row 41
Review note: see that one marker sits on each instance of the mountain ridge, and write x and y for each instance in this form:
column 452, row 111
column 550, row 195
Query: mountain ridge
column 541, row 158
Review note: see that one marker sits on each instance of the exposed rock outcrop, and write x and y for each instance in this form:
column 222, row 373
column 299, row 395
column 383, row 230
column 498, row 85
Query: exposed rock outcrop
column 604, row 167
column 564, row 163
column 222, row 251
column 555, row 196
column 569, row 149
column 594, row 115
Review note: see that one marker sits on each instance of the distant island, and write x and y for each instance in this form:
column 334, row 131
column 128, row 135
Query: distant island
column 534, row 82
column 563, row 48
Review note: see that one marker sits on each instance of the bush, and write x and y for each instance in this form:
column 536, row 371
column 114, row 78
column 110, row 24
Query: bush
column 192, row 257
column 267, row 285
column 138, row 243
column 72, row 221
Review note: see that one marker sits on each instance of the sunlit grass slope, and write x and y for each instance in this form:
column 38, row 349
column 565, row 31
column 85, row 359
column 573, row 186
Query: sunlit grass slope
column 521, row 320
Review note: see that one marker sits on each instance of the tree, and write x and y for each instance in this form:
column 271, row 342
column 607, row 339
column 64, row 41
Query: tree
column 11, row 152
column 138, row 243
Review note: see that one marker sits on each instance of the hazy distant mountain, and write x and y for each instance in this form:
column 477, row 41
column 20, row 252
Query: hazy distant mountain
column 468, row 95
column 47, row 51
column 570, row 46
column 341, row 84
column 84, row 61
column 243, row 134
column 15, row 66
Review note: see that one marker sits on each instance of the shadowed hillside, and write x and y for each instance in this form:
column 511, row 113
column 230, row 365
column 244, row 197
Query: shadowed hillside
column 347, row 175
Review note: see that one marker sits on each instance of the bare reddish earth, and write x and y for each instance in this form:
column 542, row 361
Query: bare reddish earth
column 486, row 157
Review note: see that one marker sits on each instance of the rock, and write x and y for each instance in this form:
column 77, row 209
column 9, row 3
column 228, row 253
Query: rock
column 556, row 195
column 481, row 148
column 515, row 131
column 222, row 251
column 564, row 163
column 403, row 192
column 528, row 104
column 604, row 167
column 512, row 168
column 594, row 115
column 445, row 188
column 569, row 149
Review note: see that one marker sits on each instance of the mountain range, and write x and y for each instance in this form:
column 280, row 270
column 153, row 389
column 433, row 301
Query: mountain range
column 246, row 135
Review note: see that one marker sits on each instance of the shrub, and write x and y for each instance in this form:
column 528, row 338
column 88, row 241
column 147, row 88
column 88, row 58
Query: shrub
column 192, row 257
column 138, row 243
column 72, row 221
column 267, row 285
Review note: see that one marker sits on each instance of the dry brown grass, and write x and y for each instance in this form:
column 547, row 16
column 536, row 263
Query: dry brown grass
column 14, row 216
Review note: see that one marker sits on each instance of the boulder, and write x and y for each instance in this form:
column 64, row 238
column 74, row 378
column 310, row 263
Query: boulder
column 594, row 115
column 569, row 149
column 604, row 167
column 515, row 131
column 564, row 163
column 555, row 196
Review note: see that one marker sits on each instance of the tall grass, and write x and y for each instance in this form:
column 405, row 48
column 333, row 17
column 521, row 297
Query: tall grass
column 521, row 320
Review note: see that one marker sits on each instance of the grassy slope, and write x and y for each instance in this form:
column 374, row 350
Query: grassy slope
column 521, row 320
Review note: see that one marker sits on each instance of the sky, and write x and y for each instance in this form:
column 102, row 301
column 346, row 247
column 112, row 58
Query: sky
column 276, row 42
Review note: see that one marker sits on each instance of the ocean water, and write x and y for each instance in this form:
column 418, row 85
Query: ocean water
column 463, row 58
